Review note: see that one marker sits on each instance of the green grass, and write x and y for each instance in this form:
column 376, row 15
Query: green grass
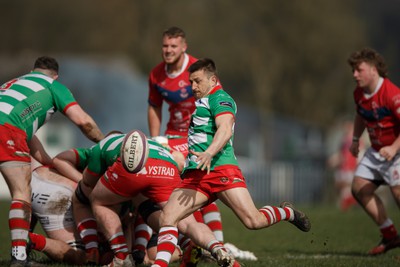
column 336, row 239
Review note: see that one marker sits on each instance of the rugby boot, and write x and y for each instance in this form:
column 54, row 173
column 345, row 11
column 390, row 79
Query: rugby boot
column 385, row 245
column 224, row 259
column 300, row 220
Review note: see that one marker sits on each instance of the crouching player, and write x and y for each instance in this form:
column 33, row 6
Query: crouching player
column 51, row 205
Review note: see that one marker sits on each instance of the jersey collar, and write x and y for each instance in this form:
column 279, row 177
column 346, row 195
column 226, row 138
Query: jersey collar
column 216, row 88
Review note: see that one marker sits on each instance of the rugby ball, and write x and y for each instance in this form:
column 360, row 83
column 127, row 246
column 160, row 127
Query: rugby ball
column 134, row 151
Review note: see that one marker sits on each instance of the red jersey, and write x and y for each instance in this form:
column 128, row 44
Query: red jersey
column 176, row 90
column 380, row 112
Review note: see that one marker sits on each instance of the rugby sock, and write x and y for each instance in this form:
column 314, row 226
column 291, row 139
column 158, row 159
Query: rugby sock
column 212, row 218
column 38, row 242
column 388, row 230
column 18, row 222
column 167, row 241
column 183, row 242
column 215, row 245
column 276, row 214
column 119, row 246
column 88, row 232
column 143, row 234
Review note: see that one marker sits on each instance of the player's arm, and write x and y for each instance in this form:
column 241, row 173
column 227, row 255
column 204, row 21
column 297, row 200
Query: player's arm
column 85, row 123
column 359, row 128
column 65, row 163
column 224, row 124
column 389, row 152
column 38, row 152
column 154, row 114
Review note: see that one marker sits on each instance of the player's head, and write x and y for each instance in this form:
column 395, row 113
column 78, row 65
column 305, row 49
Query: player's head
column 370, row 57
column 173, row 45
column 48, row 65
column 203, row 77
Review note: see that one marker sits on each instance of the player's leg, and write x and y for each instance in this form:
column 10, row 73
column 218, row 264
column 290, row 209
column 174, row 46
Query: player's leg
column 181, row 203
column 18, row 176
column 57, row 249
column 105, row 206
column 240, row 201
column 85, row 221
column 364, row 192
column 212, row 218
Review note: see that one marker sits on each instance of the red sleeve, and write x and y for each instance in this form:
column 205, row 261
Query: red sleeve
column 155, row 98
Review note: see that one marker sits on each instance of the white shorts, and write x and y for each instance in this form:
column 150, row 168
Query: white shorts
column 51, row 203
column 376, row 168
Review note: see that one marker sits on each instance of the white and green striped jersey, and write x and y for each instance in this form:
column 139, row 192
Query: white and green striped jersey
column 202, row 128
column 29, row 101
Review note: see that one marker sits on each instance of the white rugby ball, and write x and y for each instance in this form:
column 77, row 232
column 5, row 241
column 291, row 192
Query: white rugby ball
column 134, row 151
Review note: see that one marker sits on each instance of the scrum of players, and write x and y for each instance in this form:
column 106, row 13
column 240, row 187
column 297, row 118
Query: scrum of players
column 89, row 217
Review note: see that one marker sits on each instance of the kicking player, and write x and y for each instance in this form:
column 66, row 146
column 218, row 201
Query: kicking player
column 211, row 171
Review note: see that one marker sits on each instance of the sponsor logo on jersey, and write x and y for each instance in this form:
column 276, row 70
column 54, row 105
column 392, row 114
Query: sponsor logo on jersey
column 161, row 171
column 31, row 109
column 184, row 93
column 225, row 103
column 181, row 148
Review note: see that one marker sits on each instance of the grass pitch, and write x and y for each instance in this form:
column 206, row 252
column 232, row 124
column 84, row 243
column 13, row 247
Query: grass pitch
column 336, row 239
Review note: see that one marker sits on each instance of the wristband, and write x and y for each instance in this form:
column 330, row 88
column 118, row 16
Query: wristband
column 356, row 139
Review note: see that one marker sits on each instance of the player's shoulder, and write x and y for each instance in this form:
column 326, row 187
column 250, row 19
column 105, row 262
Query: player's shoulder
column 389, row 85
column 159, row 68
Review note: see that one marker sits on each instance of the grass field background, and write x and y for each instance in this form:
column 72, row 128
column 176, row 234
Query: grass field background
column 336, row 239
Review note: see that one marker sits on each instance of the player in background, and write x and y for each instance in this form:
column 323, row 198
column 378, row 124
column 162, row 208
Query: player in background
column 211, row 171
column 344, row 165
column 26, row 103
column 377, row 102
column 169, row 82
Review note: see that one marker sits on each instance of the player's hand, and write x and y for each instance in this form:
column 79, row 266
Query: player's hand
column 203, row 160
column 354, row 149
column 388, row 152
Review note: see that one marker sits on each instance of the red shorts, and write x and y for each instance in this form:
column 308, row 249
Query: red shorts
column 156, row 180
column 13, row 144
column 217, row 181
column 179, row 144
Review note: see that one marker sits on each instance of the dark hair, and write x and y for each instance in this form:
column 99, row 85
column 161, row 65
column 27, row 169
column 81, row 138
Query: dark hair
column 370, row 56
column 46, row 63
column 174, row 32
column 205, row 64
